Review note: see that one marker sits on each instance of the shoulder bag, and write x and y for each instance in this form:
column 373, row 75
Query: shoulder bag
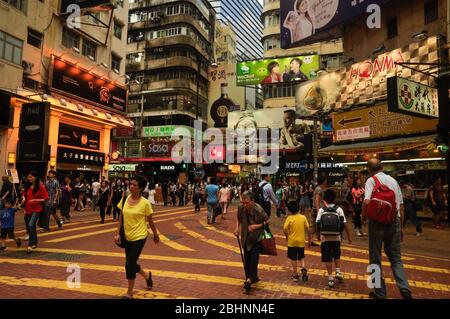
column 123, row 239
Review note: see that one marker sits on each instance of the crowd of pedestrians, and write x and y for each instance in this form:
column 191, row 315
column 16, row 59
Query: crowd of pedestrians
column 313, row 216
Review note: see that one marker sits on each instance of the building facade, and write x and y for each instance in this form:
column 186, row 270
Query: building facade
column 169, row 50
column 244, row 17
column 75, row 72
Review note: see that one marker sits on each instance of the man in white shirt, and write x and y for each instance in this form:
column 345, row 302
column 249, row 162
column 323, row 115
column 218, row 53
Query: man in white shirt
column 95, row 188
column 268, row 194
column 388, row 235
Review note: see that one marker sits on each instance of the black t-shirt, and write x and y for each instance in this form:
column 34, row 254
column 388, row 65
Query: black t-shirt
column 7, row 187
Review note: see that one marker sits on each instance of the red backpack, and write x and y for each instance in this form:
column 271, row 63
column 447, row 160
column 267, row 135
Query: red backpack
column 382, row 207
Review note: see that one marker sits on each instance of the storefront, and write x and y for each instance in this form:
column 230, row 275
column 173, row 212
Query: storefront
column 68, row 130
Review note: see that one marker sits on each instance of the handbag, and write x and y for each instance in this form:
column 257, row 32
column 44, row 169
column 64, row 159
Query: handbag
column 123, row 239
column 218, row 210
column 268, row 244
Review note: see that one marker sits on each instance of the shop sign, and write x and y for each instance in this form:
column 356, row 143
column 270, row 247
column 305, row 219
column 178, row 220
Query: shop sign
column 412, row 98
column 75, row 156
column 167, row 168
column 78, row 136
column 70, row 80
column 84, row 168
column 163, row 130
column 364, row 81
column 326, row 165
column 301, row 166
column 33, row 132
column 122, row 167
column 375, row 122
column 292, row 174
column 159, row 147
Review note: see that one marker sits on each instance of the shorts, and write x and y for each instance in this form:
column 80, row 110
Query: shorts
column 296, row 253
column 7, row 232
column 330, row 250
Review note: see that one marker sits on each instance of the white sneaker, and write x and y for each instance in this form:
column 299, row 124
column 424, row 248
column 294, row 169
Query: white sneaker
column 27, row 237
column 418, row 234
column 358, row 233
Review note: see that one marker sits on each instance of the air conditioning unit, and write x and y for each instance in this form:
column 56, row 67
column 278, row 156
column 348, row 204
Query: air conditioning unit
column 27, row 67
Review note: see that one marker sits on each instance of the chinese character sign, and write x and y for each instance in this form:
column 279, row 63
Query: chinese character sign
column 413, row 98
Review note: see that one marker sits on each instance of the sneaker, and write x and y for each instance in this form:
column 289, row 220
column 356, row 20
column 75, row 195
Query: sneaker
column 27, row 237
column 59, row 223
column 18, row 242
column 358, row 233
column 331, row 283
column 295, row 278
column 29, row 250
column 339, row 277
column 304, row 275
column 406, row 294
column 418, row 234
column 247, row 286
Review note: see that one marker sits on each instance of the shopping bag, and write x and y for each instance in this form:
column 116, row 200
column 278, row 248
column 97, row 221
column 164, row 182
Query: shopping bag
column 268, row 242
column 108, row 210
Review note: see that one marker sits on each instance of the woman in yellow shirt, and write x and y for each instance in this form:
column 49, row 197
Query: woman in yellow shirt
column 135, row 213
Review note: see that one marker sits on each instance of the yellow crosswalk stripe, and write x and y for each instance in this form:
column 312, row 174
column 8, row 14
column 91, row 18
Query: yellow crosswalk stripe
column 202, row 238
column 86, row 288
column 235, row 264
column 291, row 289
column 166, row 241
column 110, row 230
column 345, row 258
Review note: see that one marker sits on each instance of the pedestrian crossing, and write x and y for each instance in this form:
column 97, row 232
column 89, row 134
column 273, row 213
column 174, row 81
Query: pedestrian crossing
column 186, row 244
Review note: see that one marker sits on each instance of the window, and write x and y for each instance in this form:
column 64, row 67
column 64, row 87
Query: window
column 70, row 39
column 392, row 28
column 18, row 4
column 34, row 38
column 10, row 48
column 271, row 43
column 431, row 10
column 89, row 49
column 117, row 30
column 115, row 62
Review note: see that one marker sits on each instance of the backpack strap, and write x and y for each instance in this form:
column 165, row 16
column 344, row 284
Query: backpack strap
column 377, row 183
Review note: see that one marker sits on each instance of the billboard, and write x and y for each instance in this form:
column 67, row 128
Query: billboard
column 304, row 21
column 224, row 95
column 317, row 95
column 70, row 80
column 376, row 122
column 85, row 4
column 413, row 98
column 269, row 71
column 292, row 130
column 367, row 80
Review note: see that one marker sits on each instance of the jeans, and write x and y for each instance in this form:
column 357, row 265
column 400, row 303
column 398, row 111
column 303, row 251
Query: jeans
column 197, row 202
column 211, row 211
column 411, row 213
column 116, row 210
column 251, row 259
column 94, row 202
column 30, row 222
column 133, row 250
column 390, row 236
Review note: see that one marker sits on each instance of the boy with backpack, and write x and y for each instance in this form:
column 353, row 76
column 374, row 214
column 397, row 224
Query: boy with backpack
column 330, row 224
column 7, row 215
column 295, row 228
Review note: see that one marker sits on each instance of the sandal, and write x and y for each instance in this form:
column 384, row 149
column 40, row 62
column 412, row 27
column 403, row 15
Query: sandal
column 149, row 281
column 304, row 275
column 127, row 297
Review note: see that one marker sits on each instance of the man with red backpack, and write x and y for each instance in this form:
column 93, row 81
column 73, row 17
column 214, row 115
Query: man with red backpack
column 383, row 206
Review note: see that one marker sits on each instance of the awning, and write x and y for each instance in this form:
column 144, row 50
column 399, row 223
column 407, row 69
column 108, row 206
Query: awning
column 382, row 147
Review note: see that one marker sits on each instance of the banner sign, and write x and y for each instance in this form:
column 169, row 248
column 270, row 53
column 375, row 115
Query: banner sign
column 375, row 122
column 269, row 71
column 83, row 4
column 70, row 80
column 163, row 130
column 78, row 136
column 304, row 21
column 122, row 167
column 81, row 157
column 413, row 98
column 33, row 132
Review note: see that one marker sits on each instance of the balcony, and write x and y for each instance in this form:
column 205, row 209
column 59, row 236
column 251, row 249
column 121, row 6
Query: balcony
column 176, row 40
column 271, row 6
column 135, row 66
column 175, row 62
column 272, row 30
column 183, row 18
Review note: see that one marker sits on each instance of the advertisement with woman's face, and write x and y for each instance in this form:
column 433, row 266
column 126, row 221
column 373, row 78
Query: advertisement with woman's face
column 303, row 21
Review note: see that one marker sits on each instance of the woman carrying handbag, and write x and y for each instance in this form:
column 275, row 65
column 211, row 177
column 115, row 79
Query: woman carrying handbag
column 136, row 212
column 103, row 200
